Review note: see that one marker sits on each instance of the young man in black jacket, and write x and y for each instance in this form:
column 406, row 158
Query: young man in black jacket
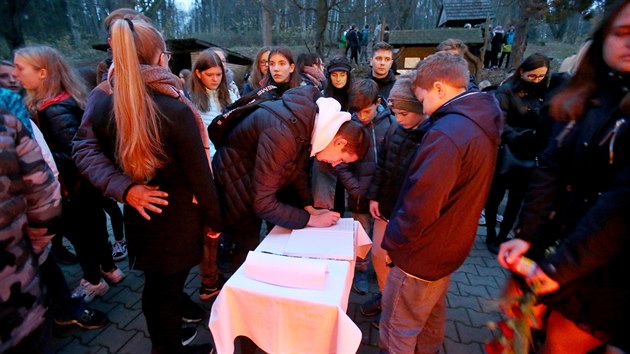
column 263, row 161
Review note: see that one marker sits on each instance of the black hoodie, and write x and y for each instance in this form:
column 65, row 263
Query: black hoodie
column 434, row 221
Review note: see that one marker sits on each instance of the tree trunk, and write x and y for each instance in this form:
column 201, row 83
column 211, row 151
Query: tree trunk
column 266, row 22
column 321, row 15
column 527, row 8
column 12, row 31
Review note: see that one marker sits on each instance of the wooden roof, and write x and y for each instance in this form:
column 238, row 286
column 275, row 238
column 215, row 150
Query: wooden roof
column 433, row 37
column 455, row 13
column 190, row 45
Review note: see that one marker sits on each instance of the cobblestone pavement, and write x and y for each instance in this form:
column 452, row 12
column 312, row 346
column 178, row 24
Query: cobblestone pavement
column 471, row 303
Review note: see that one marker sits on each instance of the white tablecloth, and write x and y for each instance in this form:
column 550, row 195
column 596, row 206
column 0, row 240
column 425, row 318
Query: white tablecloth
column 288, row 320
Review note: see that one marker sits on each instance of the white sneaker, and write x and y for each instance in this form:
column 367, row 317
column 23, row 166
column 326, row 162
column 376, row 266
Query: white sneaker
column 115, row 276
column 119, row 250
column 482, row 220
column 89, row 291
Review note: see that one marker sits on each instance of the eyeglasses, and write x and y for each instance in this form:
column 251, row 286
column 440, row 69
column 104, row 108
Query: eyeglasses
column 534, row 77
column 168, row 54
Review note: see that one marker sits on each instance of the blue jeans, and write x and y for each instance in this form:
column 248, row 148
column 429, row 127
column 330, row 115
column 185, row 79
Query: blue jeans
column 414, row 314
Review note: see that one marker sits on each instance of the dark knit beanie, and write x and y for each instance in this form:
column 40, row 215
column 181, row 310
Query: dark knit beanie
column 339, row 63
column 402, row 97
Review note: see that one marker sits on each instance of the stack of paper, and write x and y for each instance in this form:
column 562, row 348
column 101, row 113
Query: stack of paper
column 335, row 242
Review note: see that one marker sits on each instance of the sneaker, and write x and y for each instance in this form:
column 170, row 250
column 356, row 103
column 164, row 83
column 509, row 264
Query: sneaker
column 63, row 255
column 208, row 292
column 482, row 219
column 119, row 250
column 499, row 218
column 89, row 291
column 188, row 335
column 83, row 317
column 191, row 312
column 360, row 284
column 114, row 276
column 371, row 307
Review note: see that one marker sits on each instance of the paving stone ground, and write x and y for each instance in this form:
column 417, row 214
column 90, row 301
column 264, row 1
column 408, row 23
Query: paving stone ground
column 471, row 303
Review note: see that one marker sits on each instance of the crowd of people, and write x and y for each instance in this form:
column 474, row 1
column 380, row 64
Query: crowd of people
column 199, row 164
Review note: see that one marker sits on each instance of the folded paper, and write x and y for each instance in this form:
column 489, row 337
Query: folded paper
column 286, row 271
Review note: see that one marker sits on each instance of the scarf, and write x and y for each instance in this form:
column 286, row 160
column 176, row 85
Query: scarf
column 162, row 80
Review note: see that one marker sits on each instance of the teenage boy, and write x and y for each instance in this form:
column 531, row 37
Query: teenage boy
column 265, row 156
column 381, row 62
column 434, row 220
column 368, row 109
column 394, row 156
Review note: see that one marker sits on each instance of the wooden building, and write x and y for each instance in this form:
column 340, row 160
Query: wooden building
column 413, row 45
column 459, row 13
column 186, row 50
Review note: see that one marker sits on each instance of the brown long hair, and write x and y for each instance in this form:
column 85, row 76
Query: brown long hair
column 198, row 95
column 294, row 80
column 139, row 150
column 256, row 75
column 60, row 77
column 590, row 76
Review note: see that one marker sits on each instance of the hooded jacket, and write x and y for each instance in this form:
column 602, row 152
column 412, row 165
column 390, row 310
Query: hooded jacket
column 267, row 152
column 434, row 220
column 357, row 176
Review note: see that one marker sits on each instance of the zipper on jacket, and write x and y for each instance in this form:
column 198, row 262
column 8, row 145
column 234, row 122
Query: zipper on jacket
column 611, row 145
column 564, row 133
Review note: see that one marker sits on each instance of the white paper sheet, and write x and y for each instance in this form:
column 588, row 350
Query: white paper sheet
column 335, row 242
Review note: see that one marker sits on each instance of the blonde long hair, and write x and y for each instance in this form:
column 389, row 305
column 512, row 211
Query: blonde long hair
column 60, row 77
column 139, row 150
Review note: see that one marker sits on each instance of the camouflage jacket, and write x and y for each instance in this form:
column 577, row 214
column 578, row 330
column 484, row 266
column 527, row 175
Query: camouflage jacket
column 30, row 204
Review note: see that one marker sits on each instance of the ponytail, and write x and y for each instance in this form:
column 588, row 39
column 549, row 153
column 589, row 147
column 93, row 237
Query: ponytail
column 139, row 150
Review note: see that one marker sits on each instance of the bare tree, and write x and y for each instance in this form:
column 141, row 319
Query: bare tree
column 266, row 22
column 528, row 9
column 11, row 13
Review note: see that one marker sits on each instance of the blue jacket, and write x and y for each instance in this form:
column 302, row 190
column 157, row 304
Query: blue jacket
column 434, row 221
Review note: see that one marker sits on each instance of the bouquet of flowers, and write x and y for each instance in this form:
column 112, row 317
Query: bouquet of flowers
column 512, row 335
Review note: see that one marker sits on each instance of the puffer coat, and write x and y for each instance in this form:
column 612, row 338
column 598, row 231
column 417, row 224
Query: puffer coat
column 265, row 154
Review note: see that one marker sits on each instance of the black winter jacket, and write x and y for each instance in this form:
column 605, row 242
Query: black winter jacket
column 59, row 123
column 394, row 156
column 264, row 154
column 581, row 194
column 524, row 131
column 356, row 177
column 171, row 241
column 384, row 84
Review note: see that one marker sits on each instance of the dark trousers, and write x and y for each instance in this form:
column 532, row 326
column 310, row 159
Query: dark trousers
column 115, row 216
column 161, row 304
column 354, row 54
column 36, row 342
column 246, row 237
column 58, row 294
column 506, row 56
column 85, row 225
column 516, row 186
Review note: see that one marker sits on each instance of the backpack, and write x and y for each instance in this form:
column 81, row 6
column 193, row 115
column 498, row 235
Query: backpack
column 223, row 124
